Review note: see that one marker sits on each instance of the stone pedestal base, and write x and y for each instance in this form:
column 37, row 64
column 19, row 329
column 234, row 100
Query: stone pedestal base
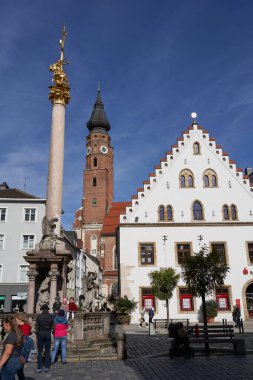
column 47, row 276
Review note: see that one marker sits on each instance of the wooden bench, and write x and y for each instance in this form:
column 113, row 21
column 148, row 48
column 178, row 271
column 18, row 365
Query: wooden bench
column 218, row 334
column 163, row 322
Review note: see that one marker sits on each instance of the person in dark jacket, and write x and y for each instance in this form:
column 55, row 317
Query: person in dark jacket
column 43, row 329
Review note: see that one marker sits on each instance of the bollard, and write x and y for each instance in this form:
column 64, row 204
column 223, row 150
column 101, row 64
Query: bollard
column 121, row 345
column 151, row 329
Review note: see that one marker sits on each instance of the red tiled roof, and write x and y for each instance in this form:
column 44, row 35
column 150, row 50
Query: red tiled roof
column 111, row 220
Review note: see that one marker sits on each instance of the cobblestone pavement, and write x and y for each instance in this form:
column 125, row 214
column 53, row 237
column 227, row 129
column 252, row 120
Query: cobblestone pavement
column 199, row 368
column 148, row 359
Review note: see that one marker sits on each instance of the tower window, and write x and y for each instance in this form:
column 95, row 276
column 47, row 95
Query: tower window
column 95, row 162
column 94, row 182
column 94, row 202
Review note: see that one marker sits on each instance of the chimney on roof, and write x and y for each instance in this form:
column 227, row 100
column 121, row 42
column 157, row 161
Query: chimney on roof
column 4, row 186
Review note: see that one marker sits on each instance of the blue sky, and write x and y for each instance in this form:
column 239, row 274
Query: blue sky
column 157, row 62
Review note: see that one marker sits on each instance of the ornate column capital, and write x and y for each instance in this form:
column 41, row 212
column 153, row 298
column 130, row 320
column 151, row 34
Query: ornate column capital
column 32, row 274
column 54, row 274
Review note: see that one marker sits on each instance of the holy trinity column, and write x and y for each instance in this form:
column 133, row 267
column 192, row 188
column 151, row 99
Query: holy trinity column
column 48, row 261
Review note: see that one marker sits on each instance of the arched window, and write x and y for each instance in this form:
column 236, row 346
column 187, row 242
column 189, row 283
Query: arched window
column 94, row 245
column 233, row 212
column 197, row 211
column 214, row 181
column 210, row 178
column 186, row 178
column 94, row 181
column 206, row 181
column 190, row 181
column 169, row 213
column 182, row 181
column 225, row 212
column 95, row 162
column 161, row 213
column 196, row 148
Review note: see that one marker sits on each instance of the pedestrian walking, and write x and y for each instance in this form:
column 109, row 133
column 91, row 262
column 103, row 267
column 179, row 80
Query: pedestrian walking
column 151, row 314
column 60, row 336
column 43, row 329
column 237, row 316
column 10, row 362
column 26, row 330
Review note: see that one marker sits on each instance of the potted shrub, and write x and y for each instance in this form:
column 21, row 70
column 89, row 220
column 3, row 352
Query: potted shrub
column 123, row 306
column 211, row 311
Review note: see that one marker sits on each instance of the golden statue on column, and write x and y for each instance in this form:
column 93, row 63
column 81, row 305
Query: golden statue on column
column 59, row 92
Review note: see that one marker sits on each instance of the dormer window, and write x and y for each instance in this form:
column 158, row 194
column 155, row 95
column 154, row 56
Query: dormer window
column 196, row 148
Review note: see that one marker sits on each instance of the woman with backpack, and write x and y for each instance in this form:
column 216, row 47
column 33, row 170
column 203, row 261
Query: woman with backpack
column 10, row 362
column 26, row 329
column 60, row 336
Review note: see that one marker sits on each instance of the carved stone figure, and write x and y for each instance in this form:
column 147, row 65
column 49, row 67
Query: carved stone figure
column 49, row 238
column 90, row 288
column 44, row 297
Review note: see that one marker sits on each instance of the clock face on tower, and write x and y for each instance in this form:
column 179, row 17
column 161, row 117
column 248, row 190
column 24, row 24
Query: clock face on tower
column 103, row 149
column 88, row 150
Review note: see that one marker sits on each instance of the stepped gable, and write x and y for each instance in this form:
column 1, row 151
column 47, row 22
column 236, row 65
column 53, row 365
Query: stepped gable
column 166, row 162
column 112, row 218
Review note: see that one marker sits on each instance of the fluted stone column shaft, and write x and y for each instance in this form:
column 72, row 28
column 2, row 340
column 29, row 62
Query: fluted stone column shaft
column 55, row 166
column 53, row 284
column 32, row 273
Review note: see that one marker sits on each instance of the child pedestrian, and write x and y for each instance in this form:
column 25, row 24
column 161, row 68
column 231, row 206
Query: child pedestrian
column 72, row 308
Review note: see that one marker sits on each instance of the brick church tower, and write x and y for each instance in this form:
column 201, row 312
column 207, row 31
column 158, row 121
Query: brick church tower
column 97, row 183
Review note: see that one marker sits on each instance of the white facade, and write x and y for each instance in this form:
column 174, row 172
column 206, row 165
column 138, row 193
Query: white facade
column 142, row 225
column 20, row 227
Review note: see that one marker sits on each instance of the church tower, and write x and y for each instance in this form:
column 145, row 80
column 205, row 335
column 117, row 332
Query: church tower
column 98, row 177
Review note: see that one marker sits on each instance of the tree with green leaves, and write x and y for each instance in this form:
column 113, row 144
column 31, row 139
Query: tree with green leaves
column 163, row 283
column 203, row 274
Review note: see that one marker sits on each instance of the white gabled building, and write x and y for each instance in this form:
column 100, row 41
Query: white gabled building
column 197, row 195
column 21, row 216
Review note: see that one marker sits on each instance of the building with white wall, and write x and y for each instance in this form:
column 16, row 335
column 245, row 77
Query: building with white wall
column 21, row 216
column 197, row 195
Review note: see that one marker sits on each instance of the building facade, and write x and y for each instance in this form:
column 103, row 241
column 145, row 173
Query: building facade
column 196, row 196
column 21, row 216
